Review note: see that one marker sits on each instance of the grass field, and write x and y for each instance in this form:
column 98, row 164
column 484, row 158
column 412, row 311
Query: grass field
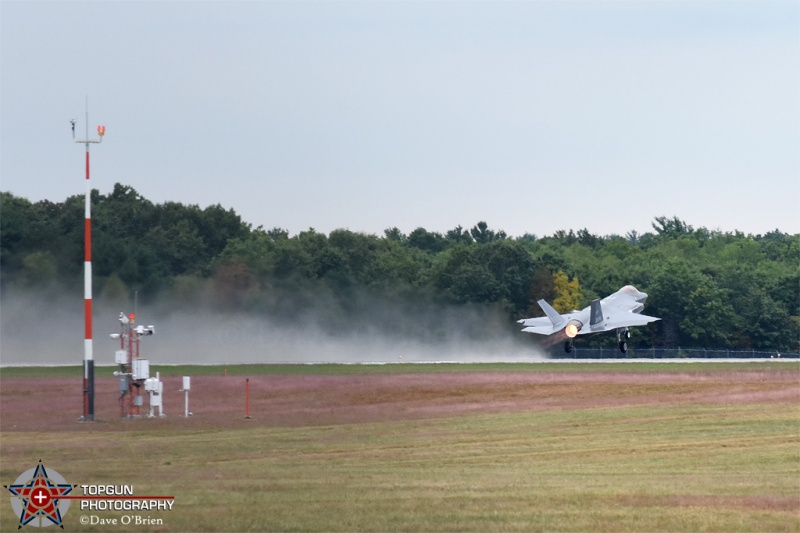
column 432, row 448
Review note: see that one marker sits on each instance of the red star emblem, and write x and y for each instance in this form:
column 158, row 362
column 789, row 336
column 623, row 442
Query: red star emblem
column 40, row 498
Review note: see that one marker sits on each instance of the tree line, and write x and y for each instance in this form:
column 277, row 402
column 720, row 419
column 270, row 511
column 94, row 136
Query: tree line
column 712, row 289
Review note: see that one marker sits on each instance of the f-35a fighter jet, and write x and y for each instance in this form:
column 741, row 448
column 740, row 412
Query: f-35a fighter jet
column 618, row 311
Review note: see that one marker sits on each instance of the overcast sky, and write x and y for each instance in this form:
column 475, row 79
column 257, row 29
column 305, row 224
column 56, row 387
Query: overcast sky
column 533, row 116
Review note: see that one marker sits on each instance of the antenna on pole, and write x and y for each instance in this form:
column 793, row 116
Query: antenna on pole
column 88, row 358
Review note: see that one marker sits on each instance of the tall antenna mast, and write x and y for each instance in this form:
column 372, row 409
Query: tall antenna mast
column 88, row 357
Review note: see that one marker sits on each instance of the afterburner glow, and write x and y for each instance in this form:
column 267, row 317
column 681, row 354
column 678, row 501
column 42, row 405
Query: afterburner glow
column 571, row 330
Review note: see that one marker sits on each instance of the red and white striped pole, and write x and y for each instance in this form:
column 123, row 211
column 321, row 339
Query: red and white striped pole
column 88, row 357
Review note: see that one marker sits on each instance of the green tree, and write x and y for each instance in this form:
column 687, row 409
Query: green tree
column 235, row 286
column 397, row 266
column 510, row 264
column 541, row 288
column 709, row 317
column 482, row 234
column 39, row 269
column 15, row 231
column 459, row 235
column 671, row 228
column 430, row 242
column 672, row 284
column 179, row 248
column 258, row 249
column 394, row 234
column 114, row 290
column 710, row 288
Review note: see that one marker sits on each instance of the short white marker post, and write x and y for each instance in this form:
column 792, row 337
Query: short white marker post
column 187, row 385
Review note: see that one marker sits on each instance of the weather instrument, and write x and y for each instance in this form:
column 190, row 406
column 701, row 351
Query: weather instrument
column 134, row 371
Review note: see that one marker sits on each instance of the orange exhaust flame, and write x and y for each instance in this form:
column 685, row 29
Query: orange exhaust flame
column 571, row 330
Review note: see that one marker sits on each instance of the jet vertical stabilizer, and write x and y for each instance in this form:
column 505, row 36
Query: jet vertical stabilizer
column 557, row 320
column 597, row 313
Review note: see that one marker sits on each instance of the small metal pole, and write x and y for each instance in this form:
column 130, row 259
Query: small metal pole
column 247, row 398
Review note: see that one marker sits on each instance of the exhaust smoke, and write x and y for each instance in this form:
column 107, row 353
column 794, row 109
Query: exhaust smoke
column 38, row 329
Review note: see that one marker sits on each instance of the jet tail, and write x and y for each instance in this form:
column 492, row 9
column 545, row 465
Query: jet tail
column 597, row 313
column 557, row 320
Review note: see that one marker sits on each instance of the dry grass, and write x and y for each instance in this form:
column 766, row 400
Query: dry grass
column 532, row 451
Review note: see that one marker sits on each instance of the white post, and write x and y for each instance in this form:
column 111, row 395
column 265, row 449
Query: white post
column 186, row 386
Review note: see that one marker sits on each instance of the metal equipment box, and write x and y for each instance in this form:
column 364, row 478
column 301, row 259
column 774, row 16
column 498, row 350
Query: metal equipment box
column 141, row 368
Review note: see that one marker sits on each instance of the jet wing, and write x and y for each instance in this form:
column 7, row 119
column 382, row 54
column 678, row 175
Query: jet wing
column 541, row 330
column 540, row 321
column 619, row 310
column 625, row 320
column 540, row 325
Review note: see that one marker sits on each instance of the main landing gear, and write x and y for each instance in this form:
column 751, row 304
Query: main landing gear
column 623, row 334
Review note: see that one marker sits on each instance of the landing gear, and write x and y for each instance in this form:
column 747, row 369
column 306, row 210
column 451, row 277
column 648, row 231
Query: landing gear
column 568, row 346
column 622, row 338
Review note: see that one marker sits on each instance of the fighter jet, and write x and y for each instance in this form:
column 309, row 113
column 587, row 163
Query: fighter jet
column 618, row 311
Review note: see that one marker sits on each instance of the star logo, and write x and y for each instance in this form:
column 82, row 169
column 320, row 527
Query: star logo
column 37, row 497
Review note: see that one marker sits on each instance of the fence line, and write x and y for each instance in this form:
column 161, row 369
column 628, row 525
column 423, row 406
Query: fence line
column 672, row 353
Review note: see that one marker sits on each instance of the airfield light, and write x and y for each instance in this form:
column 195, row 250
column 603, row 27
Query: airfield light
column 101, row 130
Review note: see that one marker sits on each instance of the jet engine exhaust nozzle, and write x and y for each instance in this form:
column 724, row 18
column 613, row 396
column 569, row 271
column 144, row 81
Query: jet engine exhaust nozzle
column 573, row 328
